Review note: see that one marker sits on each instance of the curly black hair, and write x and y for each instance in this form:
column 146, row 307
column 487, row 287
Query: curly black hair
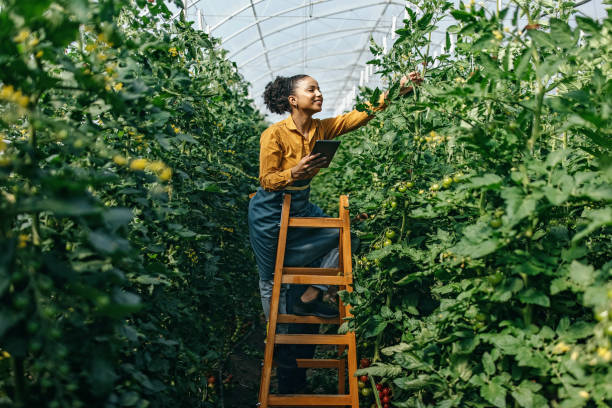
column 277, row 91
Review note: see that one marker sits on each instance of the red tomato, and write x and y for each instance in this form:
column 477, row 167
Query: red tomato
column 386, row 406
column 211, row 379
column 364, row 362
column 386, row 399
column 386, row 391
column 379, row 387
column 363, row 378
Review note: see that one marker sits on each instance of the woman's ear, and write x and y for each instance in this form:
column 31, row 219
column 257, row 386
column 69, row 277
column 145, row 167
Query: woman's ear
column 292, row 101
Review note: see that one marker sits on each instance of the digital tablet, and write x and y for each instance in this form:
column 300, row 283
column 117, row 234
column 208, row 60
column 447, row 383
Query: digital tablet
column 326, row 148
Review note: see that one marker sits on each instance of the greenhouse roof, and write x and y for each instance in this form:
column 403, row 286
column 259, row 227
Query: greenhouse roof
column 327, row 39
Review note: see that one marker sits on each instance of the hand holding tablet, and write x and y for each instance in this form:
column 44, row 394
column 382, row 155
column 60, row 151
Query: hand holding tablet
column 327, row 149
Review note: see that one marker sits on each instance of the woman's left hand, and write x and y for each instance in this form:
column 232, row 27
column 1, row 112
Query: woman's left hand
column 413, row 77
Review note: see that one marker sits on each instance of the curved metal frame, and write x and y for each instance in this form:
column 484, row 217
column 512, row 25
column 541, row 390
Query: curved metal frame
column 379, row 29
column 311, row 59
column 378, row 3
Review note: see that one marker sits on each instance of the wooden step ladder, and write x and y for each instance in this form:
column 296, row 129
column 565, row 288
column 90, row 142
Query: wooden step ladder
column 341, row 276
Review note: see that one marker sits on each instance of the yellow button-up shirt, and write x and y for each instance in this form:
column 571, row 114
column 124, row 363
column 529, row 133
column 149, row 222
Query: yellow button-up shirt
column 282, row 146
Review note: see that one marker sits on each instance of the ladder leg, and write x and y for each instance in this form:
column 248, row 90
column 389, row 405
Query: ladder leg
column 266, row 372
column 348, row 273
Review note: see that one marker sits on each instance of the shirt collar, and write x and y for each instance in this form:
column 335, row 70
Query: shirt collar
column 290, row 124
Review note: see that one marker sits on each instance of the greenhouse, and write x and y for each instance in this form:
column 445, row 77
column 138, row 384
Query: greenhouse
column 297, row 203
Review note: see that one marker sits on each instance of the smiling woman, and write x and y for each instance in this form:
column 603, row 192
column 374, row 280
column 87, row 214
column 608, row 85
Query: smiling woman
column 287, row 167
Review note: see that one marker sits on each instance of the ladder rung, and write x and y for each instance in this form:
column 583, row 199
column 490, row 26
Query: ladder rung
column 302, row 400
column 317, row 222
column 311, row 271
column 341, row 339
column 314, row 280
column 291, row 318
column 320, row 363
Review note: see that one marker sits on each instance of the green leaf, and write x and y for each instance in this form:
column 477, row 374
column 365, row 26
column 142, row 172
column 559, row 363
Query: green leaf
column 534, row 296
column 561, row 33
column 489, row 181
column 583, row 275
column 488, row 363
column 463, row 15
column 494, row 392
column 380, row 370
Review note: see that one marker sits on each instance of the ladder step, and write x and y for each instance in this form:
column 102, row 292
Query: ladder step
column 311, row 271
column 290, row 318
column 320, row 363
column 338, row 339
column 302, row 400
column 317, row 222
column 314, row 280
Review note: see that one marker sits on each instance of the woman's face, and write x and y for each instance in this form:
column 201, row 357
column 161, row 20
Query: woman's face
column 307, row 96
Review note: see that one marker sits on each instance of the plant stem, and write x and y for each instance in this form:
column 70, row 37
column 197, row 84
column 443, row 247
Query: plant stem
column 18, row 372
column 375, row 392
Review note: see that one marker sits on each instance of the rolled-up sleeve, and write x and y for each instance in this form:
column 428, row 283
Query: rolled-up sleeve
column 334, row 127
column 271, row 175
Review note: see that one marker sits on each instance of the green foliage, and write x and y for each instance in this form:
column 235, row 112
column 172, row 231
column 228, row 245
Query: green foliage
column 495, row 176
column 127, row 145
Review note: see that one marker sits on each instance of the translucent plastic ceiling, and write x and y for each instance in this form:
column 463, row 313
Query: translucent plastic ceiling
column 327, row 39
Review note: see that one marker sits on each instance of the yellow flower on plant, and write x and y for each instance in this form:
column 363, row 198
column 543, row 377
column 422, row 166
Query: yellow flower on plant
column 22, row 36
column 139, row 164
column 120, row 160
column 166, row 174
column 23, row 240
column 584, row 394
column 561, row 348
column 173, row 51
column 5, row 354
column 498, row 35
column 33, row 42
column 90, row 47
column 156, row 166
column 118, row 86
column 7, row 92
column 39, row 54
column 506, row 29
column 604, row 353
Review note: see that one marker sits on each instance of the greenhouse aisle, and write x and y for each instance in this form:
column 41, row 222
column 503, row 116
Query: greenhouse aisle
column 481, row 197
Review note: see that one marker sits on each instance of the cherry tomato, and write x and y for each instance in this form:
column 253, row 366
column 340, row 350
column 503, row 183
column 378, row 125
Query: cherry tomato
column 447, row 182
column 366, row 392
column 363, row 378
column 409, row 184
column 495, row 223
column 435, row 187
column 364, row 362
column 390, row 234
column 361, row 384
column 386, row 399
column 211, row 379
column 393, row 204
column 386, row 406
column 386, row 391
column 387, row 242
column 379, row 387
column 401, row 188
column 601, row 315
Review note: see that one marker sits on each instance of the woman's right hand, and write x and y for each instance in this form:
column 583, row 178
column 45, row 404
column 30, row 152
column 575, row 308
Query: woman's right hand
column 308, row 166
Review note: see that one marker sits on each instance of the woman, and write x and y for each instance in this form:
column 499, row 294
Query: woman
column 286, row 166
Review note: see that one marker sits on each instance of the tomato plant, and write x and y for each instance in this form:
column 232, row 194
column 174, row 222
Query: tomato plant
column 494, row 290
column 127, row 147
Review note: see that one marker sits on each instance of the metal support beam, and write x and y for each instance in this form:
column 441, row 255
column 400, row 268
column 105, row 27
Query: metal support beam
column 263, row 43
column 378, row 3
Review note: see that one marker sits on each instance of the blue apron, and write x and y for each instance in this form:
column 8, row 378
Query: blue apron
column 304, row 245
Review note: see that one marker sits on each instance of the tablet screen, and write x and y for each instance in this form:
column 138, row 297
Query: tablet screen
column 326, row 148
